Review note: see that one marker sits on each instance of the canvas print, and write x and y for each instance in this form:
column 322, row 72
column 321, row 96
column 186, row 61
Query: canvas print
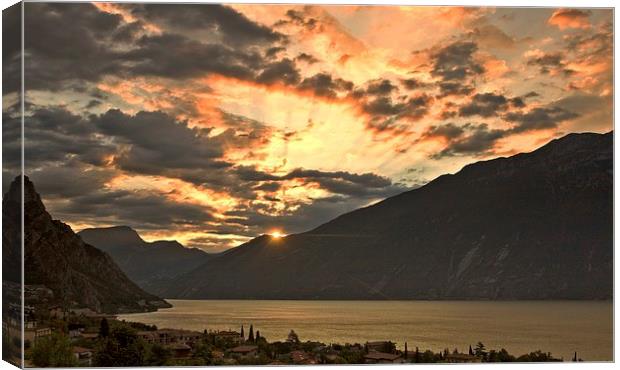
column 256, row 184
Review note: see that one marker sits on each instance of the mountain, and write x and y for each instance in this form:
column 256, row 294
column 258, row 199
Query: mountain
column 77, row 273
column 536, row 225
column 148, row 264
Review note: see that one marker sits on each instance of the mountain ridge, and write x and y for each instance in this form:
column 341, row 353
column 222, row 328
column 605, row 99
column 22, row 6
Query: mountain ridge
column 78, row 274
column 148, row 264
column 430, row 243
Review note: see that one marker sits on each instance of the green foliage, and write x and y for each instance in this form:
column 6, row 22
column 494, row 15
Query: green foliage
column 204, row 350
column 53, row 351
column 104, row 328
column 537, row 356
column 121, row 348
column 158, row 356
column 500, row 356
column 480, row 350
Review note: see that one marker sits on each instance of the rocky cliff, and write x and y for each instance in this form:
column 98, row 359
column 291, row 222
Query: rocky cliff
column 77, row 273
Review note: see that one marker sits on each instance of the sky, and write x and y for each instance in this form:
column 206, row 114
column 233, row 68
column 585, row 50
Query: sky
column 213, row 124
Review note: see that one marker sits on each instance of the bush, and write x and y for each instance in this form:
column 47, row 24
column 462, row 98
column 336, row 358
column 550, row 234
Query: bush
column 53, row 351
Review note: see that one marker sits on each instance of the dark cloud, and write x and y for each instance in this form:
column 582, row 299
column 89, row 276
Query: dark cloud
column 323, row 84
column 274, row 51
column 550, row 62
column 51, row 137
column 68, row 43
column 456, row 67
column 413, row 107
column 232, row 26
column 489, row 104
column 455, row 88
column 284, row 71
column 381, row 87
column 413, row 84
column 447, row 131
column 158, row 144
column 456, row 62
column 11, row 49
column 469, row 139
column 298, row 18
column 176, row 56
column 307, row 58
column 133, row 208
column 539, row 118
column 73, row 44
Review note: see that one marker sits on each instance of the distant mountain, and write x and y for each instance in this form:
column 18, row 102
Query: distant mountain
column 148, row 264
column 531, row 226
column 77, row 273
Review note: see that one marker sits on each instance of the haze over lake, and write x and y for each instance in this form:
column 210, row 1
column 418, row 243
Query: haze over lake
column 559, row 327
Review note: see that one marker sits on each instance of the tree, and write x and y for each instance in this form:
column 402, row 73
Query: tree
column 104, row 328
column 257, row 335
column 501, row 356
column 292, row 337
column 575, row 357
column 471, row 351
column 158, row 355
column 406, row 352
column 417, row 355
column 480, row 350
column 242, row 333
column 122, row 347
column 53, row 351
column 251, row 335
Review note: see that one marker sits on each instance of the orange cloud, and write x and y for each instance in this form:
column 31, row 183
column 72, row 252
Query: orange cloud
column 570, row 18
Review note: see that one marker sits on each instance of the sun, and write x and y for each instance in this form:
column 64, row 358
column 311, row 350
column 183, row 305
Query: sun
column 277, row 234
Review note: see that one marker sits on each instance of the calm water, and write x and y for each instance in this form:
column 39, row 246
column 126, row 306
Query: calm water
column 559, row 327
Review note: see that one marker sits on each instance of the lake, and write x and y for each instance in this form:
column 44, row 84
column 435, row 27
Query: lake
column 559, row 327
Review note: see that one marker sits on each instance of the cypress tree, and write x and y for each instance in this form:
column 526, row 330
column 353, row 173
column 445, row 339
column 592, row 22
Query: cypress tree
column 242, row 334
column 251, row 335
column 575, row 357
column 257, row 335
column 104, row 328
column 406, row 354
column 471, row 351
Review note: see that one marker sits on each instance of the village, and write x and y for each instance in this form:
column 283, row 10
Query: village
column 81, row 337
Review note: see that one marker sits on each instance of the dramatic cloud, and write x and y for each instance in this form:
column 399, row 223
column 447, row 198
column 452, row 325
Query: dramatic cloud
column 539, row 118
column 212, row 124
column 488, row 105
column 231, row 26
column 469, row 139
column 456, row 63
column 570, row 18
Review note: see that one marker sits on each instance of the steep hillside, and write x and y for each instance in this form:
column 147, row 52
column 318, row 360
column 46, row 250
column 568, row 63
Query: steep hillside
column 78, row 273
column 533, row 226
column 148, row 264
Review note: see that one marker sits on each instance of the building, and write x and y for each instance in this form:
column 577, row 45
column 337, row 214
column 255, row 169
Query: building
column 170, row 336
column 233, row 336
column 57, row 312
column 245, row 351
column 461, row 358
column 33, row 334
column 76, row 330
column 381, row 346
column 383, row 358
column 180, row 350
column 84, row 356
